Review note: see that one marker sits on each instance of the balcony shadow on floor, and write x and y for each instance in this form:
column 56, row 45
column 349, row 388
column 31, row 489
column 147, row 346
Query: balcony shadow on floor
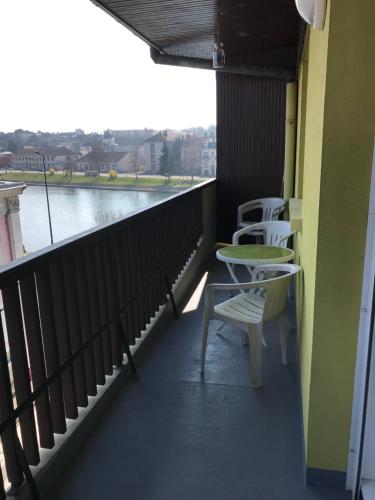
column 175, row 435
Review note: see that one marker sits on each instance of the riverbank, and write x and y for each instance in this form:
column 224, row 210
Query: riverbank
column 122, row 182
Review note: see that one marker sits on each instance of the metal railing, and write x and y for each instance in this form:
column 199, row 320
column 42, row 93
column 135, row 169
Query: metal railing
column 70, row 314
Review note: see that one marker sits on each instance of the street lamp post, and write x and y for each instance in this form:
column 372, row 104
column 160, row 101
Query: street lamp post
column 45, row 185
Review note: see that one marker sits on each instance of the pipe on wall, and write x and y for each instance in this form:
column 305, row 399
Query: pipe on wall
column 290, row 139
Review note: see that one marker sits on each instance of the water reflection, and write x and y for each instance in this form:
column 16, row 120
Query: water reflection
column 74, row 210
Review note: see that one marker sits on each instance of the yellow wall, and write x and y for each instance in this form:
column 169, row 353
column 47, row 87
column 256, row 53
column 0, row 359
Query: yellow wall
column 301, row 120
column 336, row 134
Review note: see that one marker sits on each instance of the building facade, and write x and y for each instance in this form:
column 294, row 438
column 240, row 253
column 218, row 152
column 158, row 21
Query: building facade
column 208, row 158
column 191, row 156
column 59, row 158
column 11, row 244
column 104, row 161
column 152, row 148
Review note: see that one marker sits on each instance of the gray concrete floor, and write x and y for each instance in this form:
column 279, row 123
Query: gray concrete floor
column 173, row 435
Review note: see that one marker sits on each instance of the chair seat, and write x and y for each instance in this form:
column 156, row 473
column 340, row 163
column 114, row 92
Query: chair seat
column 245, row 307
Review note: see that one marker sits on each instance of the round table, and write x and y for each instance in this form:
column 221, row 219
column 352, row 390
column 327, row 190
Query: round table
column 252, row 256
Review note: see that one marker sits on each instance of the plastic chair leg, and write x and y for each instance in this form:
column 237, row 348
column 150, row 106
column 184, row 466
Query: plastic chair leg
column 282, row 330
column 206, row 320
column 255, row 352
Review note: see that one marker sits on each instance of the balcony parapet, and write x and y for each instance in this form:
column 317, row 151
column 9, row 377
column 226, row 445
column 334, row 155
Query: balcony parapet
column 71, row 310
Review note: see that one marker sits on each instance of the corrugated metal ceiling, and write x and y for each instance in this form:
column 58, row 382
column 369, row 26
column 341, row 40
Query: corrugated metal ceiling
column 254, row 32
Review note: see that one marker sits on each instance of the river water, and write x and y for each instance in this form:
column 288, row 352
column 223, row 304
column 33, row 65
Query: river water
column 74, row 210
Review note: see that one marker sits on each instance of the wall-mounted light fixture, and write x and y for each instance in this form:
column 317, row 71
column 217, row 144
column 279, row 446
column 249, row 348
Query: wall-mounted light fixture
column 218, row 56
column 313, row 12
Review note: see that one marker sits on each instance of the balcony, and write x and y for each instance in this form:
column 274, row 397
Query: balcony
column 70, row 314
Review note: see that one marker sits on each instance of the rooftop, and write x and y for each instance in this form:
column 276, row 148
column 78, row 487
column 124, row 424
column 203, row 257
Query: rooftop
column 102, row 156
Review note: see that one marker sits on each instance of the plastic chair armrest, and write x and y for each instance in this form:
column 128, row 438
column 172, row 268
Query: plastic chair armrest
column 245, row 208
column 286, row 237
column 245, row 230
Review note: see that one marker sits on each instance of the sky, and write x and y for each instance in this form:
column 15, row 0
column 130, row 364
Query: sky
column 66, row 64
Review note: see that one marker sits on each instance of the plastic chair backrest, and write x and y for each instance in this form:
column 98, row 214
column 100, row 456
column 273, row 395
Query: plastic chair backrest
column 274, row 232
column 276, row 287
column 272, row 208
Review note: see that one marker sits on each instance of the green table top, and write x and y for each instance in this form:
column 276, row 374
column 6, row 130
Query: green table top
column 254, row 254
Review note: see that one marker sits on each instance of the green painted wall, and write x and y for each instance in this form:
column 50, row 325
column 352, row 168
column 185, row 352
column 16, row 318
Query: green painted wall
column 317, row 56
column 338, row 146
column 301, row 120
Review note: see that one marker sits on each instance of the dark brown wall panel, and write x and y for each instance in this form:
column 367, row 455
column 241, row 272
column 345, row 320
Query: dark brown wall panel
column 250, row 143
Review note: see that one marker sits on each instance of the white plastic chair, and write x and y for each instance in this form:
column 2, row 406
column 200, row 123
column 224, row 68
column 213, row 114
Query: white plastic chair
column 274, row 233
column 250, row 310
column 271, row 209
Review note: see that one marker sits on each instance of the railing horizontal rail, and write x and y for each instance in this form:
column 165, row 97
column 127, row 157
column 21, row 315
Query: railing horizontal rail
column 72, row 311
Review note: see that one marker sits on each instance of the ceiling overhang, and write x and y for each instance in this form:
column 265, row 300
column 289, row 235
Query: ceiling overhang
column 261, row 37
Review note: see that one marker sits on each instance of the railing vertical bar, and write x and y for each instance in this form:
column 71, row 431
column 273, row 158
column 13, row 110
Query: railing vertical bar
column 158, row 263
column 131, row 244
column 131, row 261
column 152, row 277
column 50, row 350
column 75, row 331
column 165, row 232
column 81, row 284
column 103, row 303
column 36, row 358
column 118, row 263
column 148, row 271
column 13, row 468
column 142, row 269
column 111, row 292
column 20, row 368
column 63, row 337
column 139, row 263
column 95, row 316
column 128, row 282
column 161, row 265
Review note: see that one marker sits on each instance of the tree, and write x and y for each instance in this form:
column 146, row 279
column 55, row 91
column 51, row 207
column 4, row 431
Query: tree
column 175, row 156
column 12, row 146
column 68, row 166
column 164, row 161
column 136, row 163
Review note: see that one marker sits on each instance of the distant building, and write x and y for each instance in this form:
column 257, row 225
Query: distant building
column 11, row 245
column 5, row 160
column 191, row 156
column 104, row 161
column 208, row 158
column 140, row 134
column 151, row 148
column 85, row 149
column 58, row 158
